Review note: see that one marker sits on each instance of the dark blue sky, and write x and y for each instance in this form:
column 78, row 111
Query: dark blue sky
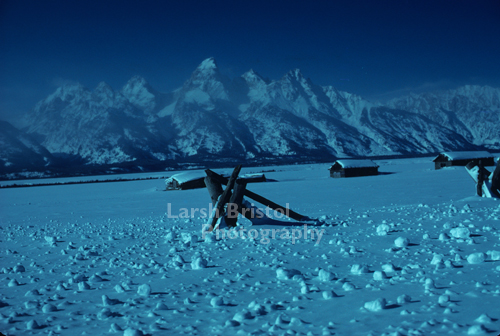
column 377, row 49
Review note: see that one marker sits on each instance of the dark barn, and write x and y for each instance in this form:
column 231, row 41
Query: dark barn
column 448, row 159
column 353, row 168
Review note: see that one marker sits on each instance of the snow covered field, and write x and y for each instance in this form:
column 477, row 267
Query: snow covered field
column 409, row 252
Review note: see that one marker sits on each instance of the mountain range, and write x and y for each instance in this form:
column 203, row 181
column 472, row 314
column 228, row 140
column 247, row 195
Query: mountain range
column 213, row 119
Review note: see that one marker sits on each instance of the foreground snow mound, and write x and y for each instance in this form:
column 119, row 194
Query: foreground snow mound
column 199, row 263
column 286, row 274
column 376, row 305
column 460, row 232
column 132, row 332
column 476, row 258
column 325, row 275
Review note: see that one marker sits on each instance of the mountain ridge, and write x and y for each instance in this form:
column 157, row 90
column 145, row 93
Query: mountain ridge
column 251, row 119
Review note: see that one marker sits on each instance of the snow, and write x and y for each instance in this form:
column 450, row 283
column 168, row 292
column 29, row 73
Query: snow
column 186, row 176
column 109, row 258
column 208, row 64
column 376, row 305
column 167, row 110
column 136, row 91
column 200, row 97
column 347, row 163
column 467, row 155
column 212, row 114
column 474, row 118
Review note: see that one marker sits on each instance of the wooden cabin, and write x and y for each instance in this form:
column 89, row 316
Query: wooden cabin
column 253, row 178
column 187, row 180
column 353, row 168
column 448, row 159
column 196, row 179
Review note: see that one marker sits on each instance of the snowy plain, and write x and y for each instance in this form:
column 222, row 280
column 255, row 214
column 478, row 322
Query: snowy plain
column 412, row 251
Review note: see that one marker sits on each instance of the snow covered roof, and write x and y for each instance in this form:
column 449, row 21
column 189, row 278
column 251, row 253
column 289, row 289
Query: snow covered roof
column 350, row 163
column 252, row 176
column 192, row 175
column 186, row 177
column 465, row 155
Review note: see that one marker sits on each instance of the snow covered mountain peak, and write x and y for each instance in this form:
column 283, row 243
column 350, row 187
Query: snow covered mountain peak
column 303, row 94
column 254, row 78
column 103, row 87
column 296, row 76
column 295, row 80
column 140, row 94
column 250, row 117
column 136, row 81
column 207, row 70
column 67, row 92
column 104, row 93
column 208, row 65
column 206, row 83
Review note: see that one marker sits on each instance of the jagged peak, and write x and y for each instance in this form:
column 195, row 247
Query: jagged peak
column 67, row 92
column 103, row 86
column 466, row 90
column 207, row 78
column 295, row 74
column 207, row 69
column 250, row 73
column 208, row 64
column 332, row 89
column 252, row 76
column 136, row 80
column 475, row 89
column 135, row 85
column 104, row 92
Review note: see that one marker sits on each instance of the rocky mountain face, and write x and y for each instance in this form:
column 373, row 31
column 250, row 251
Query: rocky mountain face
column 19, row 151
column 471, row 111
column 100, row 126
column 212, row 118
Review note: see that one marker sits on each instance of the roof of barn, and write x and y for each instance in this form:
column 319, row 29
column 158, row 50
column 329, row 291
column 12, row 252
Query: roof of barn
column 351, row 163
column 452, row 156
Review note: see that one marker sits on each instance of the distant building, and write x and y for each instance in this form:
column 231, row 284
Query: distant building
column 448, row 159
column 352, row 168
column 187, row 180
column 196, row 179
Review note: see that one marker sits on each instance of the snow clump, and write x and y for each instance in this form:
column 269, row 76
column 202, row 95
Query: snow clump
column 383, row 229
column 493, row 255
column 217, row 302
column 199, row 263
column 476, row 258
column 376, row 305
column 325, row 275
column 286, row 274
column 401, row 242
column 460, row 232
column 144, row 290
column 132, row 332
column 359, row 269
column 379, row 275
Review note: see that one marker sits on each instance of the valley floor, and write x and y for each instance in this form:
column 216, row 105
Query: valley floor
column 412, row 251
